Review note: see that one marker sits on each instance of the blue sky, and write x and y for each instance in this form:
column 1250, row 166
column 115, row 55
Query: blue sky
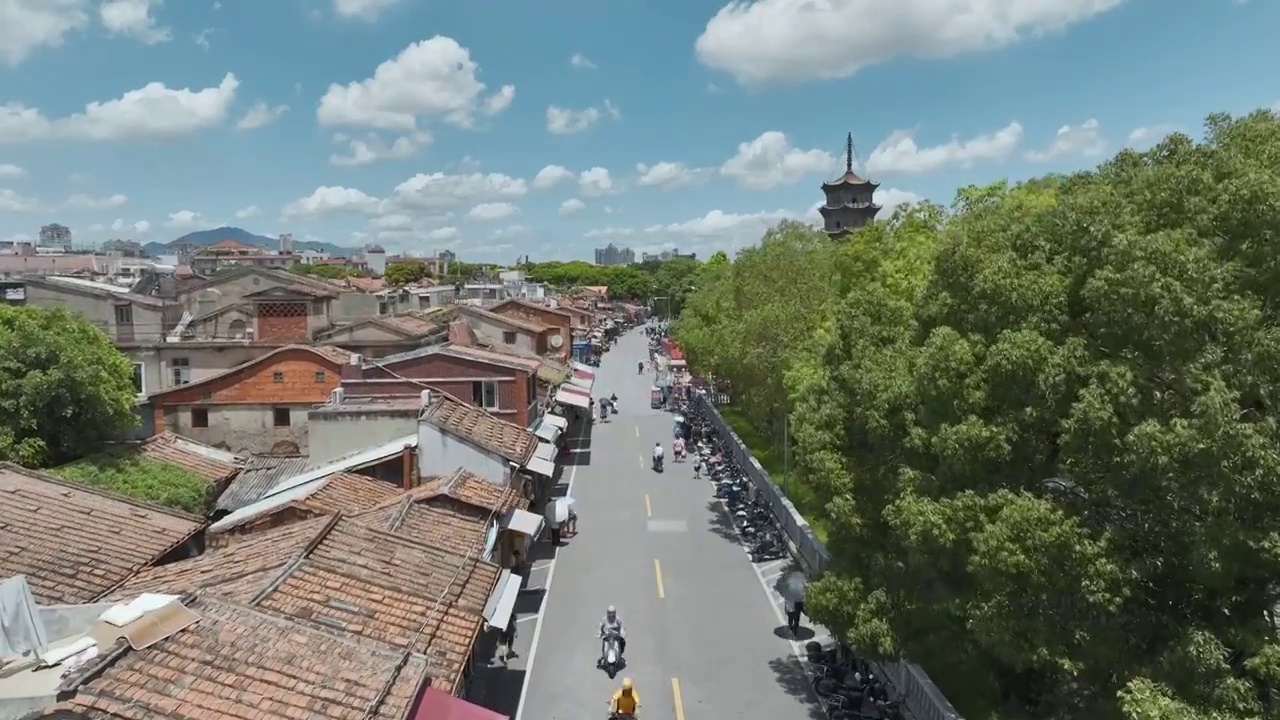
column 550, row 128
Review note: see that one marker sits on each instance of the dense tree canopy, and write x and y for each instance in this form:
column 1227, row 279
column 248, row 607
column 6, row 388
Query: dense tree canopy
column 1044, row 425
column 64, row 388
column 405, row 272
column 664, row 283
column 329, row 272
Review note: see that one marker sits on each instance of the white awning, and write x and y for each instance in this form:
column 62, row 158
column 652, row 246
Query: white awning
column 502, row 602
column 541, row 467
column 583, row 383
column 582, row 367
column 547, row 431
column 569, row 397
column 523, row 522
column 545, row 451
column 556, row 420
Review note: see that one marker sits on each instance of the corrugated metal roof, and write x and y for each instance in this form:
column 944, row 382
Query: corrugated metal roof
column 260, row 474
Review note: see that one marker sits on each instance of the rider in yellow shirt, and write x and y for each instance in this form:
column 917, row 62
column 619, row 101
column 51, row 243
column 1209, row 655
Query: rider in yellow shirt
column 625, row 701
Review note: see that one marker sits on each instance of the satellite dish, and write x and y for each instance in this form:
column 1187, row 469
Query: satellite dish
column 557, row 341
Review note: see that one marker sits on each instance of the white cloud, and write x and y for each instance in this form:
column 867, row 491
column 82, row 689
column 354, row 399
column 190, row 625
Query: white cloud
column 444, row 234
column 431, row 78
column 500, row 100
column 562, row 121
column 9, row 170
column 11, row 201
column 1083, row 139
column 717, row 230
column 774, row 41
column 571, row 207
column 152, row 111
column 612, row 110
column 580, row 61
column 201, row 39
column 439, row 190
column 245, row 213
column 770, row 160
column 667, row 174
column 489, row 212
column 899, row 154
column 261, row 114
column 362, row 9
column 550, row 176
column 133, row 18
column 185, row 220
column 142, row 226
column 510, row 232
column 595, row 182
column 892, row 198
column 327, row 200
column 85, row 202
column 373, row 148
column 1150, row 135
column 27, row 25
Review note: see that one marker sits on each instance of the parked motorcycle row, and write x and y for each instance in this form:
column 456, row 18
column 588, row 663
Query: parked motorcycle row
column 848, row 685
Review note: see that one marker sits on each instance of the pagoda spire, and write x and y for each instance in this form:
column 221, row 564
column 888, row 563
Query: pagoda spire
column 848, row 153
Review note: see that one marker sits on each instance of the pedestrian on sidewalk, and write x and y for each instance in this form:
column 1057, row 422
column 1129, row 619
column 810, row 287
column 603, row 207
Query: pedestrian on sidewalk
column 555, row 533
column 571, row 523
column 507, row 640
column 793, row 592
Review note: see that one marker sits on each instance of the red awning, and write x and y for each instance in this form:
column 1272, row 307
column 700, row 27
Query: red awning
column 576, row 390
column 584, row 375
column 435, row 705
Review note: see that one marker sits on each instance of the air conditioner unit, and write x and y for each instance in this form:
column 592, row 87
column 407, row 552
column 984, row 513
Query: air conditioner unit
column 426, row 398
column 356, row 359
column 337, row 396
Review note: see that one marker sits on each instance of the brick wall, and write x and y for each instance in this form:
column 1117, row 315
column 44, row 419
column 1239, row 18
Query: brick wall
column 289, row 329
column 304, row 378
column 451, row 375
column 563, row 325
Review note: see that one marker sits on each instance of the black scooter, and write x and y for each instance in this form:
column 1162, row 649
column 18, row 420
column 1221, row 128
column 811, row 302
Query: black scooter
column 657, row 463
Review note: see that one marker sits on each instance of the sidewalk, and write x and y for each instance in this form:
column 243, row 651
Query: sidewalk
column 497, row 684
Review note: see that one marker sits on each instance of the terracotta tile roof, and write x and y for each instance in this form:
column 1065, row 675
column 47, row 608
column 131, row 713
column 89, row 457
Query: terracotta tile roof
column 461, row 333
column 341, row 574
column 517, row 323
column 453, row 513
column 208, row 462
column 341, row 492
column 73, row 543
column 521, row 362
column 232, row 244
column 243, row 663
column 366, row 284
column 507, row 440
column 409, row 324
column 239, row 570
column 533, row 306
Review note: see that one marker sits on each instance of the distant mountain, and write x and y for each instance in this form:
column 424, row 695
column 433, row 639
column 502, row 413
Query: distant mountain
column 205, row 238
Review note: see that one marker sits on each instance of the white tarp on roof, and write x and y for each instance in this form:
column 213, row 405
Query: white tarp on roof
column 569, row 397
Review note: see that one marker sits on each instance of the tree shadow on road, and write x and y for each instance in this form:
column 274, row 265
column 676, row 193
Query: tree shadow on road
column 795, row 681
column 720, row 524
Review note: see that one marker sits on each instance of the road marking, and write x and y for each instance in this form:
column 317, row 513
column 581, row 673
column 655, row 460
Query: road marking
column 640, row 461
column 527, row 618
column 637, row 431
column 648, row 506
column 537, row 626
column 657, row 572
column 679, row 701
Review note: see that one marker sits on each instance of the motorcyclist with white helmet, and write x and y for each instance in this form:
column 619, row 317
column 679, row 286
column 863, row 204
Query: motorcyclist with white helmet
column 612, row 625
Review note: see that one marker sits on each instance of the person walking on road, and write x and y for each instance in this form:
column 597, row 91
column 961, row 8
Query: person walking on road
column 507, row 640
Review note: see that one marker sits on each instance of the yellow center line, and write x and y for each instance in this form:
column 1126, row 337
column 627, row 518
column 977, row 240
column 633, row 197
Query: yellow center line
column 648, row 507
column 657, row 572
column 637, row 431
column 679, row 701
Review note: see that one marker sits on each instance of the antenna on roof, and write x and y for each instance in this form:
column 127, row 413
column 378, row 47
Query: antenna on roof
column 848, row 153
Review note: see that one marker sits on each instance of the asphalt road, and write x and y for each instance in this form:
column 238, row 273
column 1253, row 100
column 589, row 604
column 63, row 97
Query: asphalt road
column 702, row 625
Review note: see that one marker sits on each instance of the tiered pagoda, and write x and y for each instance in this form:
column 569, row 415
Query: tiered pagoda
column 850, row 199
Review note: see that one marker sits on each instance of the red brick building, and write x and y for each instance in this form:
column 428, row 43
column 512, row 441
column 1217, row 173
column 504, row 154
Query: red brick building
column 286, row 314
column 260, row 406
column 505, row 385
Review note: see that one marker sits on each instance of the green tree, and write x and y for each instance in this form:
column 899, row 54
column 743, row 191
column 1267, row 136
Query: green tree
column 328, row 272
column 64, row 389
column 405, row 272
column 1049, row 461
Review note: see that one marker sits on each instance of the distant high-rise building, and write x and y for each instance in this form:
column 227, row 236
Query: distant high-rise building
column 613, row 255
column 54, row 235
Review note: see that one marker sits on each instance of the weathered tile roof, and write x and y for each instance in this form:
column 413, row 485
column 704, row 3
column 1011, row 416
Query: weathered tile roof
column 260, row 474
column 409, row 323
column 327, row 352
column 340, row 492
column 511, row 360
column 73, row 543
column 245, row 663
column 208, row 462
column 515, row 322
column 341, row 574
column 239, row 570
column 453, row 513
column 507, row 440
